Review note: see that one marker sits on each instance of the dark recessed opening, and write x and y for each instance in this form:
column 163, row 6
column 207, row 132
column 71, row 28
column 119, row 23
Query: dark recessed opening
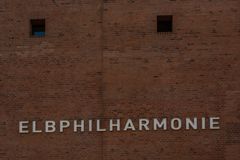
column 164, row 23
column 38, row 27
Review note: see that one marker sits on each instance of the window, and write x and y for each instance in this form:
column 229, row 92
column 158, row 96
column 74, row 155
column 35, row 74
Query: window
column 164, row 23
column 38, row 27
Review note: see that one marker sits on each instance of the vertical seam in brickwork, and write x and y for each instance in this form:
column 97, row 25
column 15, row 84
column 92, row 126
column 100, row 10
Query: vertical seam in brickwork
column 102, row 75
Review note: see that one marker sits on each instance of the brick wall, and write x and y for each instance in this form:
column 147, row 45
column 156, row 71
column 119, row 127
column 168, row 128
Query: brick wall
column 105, row 59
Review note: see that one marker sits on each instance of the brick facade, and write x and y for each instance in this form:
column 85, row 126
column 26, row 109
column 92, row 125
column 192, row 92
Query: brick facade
column 105, row 59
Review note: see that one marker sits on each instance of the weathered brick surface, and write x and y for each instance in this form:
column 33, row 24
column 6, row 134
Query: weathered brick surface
column 103, row 58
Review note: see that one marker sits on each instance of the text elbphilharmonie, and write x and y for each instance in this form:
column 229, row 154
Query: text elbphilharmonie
column 116, row 125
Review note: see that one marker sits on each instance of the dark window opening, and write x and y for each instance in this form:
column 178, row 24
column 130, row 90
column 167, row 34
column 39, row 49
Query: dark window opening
column 164, row 23
column 38, row 27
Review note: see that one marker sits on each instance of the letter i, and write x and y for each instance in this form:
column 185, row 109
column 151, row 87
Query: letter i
column 90, row 125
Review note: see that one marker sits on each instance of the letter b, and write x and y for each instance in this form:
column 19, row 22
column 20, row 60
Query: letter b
column 50, row 126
